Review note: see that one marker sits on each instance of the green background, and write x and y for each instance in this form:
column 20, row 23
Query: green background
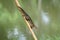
column 44, row 13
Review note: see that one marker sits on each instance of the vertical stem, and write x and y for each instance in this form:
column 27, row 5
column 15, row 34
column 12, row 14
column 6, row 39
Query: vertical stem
column 27, row 22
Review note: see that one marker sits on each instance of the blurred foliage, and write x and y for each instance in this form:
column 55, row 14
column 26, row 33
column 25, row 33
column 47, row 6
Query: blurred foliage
column 13, row 26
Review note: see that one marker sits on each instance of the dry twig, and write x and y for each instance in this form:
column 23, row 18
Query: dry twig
column 27, row 19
